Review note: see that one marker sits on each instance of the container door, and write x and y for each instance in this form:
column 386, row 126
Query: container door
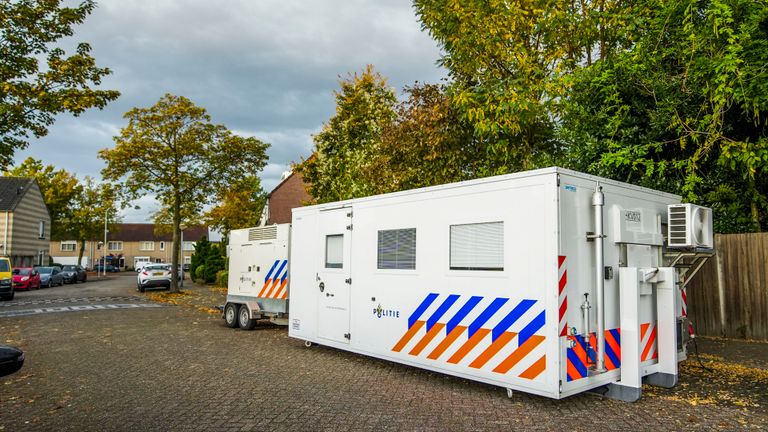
column 333, row 275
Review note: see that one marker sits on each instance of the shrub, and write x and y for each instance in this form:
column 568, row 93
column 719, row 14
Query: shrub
column 200, row 272
column 221, row 278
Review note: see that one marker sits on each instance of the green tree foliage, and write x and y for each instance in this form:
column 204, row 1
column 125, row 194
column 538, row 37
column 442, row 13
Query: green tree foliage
column 60, row 190
column 85, row 220
column 239, row 206
column 31, row 94
column 172, row 150
column 685, row 110
column 427, row 143
column 208, row 260
column 351, row 140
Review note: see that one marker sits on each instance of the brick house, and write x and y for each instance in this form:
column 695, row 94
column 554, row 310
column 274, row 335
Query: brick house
column 25, row 224
column 128, row 244
column 289, row 194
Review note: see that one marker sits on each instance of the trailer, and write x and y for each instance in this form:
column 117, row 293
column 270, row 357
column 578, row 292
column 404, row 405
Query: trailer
column 257, row 285
column 550, row 282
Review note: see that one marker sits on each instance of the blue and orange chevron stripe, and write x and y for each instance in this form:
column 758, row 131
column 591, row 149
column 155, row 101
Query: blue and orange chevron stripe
column 458, row 336
column 581, row 356
column 276, row 287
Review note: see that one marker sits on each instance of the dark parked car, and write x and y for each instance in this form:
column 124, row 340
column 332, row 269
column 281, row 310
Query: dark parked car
column 109, row 269
column 11, row 360
column 50, row 276
column 73, row 274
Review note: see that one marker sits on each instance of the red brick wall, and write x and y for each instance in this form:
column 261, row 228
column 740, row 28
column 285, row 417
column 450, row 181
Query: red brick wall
column 291, row 193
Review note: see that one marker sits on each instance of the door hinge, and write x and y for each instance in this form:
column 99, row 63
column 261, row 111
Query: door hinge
column 348, row 336
column 349, row 227
column 349, row 281
column 349, row 215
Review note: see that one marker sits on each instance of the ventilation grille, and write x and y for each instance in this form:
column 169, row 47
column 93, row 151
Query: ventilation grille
column 678, row 225
column 262, row 233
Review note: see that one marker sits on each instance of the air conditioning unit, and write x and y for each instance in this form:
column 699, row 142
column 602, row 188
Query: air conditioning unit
column 689, row 227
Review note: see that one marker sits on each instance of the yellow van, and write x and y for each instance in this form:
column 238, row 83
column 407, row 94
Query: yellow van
column 6, row 279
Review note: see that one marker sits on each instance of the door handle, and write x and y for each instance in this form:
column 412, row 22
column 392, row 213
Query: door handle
column 328, row 295
column 322, row 286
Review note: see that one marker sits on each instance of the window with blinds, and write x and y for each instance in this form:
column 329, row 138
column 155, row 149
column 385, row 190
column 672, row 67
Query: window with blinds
column 478, row 246
column 397, row 249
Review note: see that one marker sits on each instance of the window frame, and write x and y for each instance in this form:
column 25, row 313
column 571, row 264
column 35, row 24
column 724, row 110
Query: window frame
column 143, row 244
column 333, row 265
column 68, row 243
column 118, row 242
column 379, row 233
column 492, row 270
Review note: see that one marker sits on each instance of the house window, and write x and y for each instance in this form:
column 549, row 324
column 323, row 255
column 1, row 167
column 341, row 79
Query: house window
column 41, row 230
column 40, row 257
column 68, row 246
column 189, row 246
column 162, row 246
column 115, row 246
column 147, row 246
column 334, row 251
column 477, row 246
column 158, row 260
column 397, row 249
column 187, row 260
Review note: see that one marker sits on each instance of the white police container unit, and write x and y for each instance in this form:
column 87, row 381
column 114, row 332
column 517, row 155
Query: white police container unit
column 258, row 276
column 550, row 282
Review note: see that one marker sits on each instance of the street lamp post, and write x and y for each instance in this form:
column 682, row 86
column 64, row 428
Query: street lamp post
column 104, row 251
column 181, row 261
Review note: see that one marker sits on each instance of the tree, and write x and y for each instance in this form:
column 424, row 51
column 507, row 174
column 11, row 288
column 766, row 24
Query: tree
column 60, row 190
column 32, row 95
column 239, row 206
column 172, row 150
column 93, row 204
column 350, row 141
column 684, row 110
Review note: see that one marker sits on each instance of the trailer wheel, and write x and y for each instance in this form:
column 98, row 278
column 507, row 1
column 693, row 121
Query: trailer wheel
column 245, row 321
column 230, row 314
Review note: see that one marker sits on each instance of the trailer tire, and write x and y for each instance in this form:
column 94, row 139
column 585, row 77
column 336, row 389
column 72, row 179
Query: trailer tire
column 230, row 314
column 244, row 319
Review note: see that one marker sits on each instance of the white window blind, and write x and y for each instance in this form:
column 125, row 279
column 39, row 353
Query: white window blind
column 334, row 251
column 477, row 246
column 397, row 249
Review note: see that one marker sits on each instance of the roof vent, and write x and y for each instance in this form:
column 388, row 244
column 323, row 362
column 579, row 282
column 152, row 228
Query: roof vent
column 262, row 233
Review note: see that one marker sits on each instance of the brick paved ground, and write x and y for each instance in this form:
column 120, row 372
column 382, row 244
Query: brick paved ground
column 179, row 368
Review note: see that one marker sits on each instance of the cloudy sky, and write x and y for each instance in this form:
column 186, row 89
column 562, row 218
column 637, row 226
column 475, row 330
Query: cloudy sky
column 263, row 68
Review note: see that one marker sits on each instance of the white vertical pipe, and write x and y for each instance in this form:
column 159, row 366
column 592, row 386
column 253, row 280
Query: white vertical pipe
column 598, row 201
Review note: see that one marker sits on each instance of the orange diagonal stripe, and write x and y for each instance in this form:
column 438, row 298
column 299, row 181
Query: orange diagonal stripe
column 285, row 295
column 573, row 372
column 427, row 339
column 643, row 329
column 264, row 288
column 519, row 354
column 407, row 336
column 272, row 288
column 468, row 345
column 609, row 339
column 448, row 341
column 280, row 290
column 535, row 369
column 649, row 345
column 492, row 350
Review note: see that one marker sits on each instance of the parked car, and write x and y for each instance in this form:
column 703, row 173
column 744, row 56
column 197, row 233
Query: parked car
column 26, row 278
column 141, row 264
column 153, row 276
column 73, row 274
column 109, row 268
column 50, row 276
column 11, row 360
column 6, row 279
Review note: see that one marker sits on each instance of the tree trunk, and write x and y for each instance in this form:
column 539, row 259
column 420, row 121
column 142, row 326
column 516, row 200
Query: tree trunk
column 176, row 244
column 80, row 255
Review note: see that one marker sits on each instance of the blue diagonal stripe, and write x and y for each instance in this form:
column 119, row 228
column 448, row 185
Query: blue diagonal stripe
column 530, row 329
column 510, row 319
column 462, row 313
column 616, row 335
column 280, row 269
column 577, row 363
column 285, row 274
column 441, row 310
column 612, row 355
column 486, row 315
column 420, row 310
column 271, row 270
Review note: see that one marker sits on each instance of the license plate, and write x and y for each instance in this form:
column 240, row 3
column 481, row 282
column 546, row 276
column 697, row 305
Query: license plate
column 157, row 274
